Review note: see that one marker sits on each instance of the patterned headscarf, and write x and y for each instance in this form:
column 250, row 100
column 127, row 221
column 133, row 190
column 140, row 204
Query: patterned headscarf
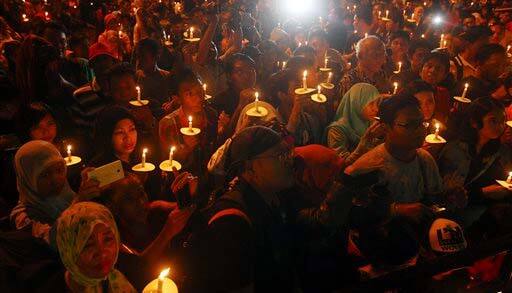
column 74, row 227
column 30, row 161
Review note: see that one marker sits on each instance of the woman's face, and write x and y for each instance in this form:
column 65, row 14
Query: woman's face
column 51, row 181
column 99, row 253
column 399, row 46
column 45, row 130
column 427, row 103
column 124, row 137
column 433, row 72
column 371, row 109
column 493, row 125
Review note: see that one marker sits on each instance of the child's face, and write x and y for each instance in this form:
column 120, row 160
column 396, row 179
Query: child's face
column 191, row 95
column 123, row 89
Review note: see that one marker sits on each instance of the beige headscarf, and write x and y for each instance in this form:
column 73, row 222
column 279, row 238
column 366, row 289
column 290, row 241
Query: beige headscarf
column 74, row 227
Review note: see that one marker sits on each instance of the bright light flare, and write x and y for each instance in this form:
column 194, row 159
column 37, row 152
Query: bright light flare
column 437, row 20
column 298, row 7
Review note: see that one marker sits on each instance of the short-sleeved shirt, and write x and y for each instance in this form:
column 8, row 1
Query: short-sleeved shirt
column 406, row 182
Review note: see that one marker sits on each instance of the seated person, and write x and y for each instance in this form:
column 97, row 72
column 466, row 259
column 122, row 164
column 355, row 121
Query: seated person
column 353, row 133
column 43, row 189
column 88, row 242
column 435, row 69
column 192, row 151
column 424, row 93
column 474, row 157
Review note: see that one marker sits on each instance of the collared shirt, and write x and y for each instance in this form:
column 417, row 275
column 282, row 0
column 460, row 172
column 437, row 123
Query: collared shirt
column 356, row 76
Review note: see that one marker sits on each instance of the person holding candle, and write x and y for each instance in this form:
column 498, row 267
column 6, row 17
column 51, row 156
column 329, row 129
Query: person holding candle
column 89, row 244
column 399, row 47
column 434, row 70
column 500, row 35
column 474, row 157
column 192, row 151
column 43, row 188
column 318, row 40
column 472, row 40
column 353, row 132
column 424, row 93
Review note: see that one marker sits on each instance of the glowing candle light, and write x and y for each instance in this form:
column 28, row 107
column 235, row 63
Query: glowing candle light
column 365, row 35
column 395, row 85
column 256, row 100
column 325, row 61
column 319, row 88
column 422, row 36
column 508, row 47
column 284, row 64
column 444, row 44
column 161, row 278
column 143, row 163
column 509, row 178
column 465, row 91
column 162, row 284
column 387, row 14
column 171, row 153
column 24, row 17
column 191, row 32
column 46, row 15
column 412, row 15
column 399, row 67
column 424, row 3
column 380, row 12
column 138, row 93
column 204, row 87
column 329, row 77
column 437, row 131
column 305, row 79
column 441, row 41
column 190, row 123
column 69, row 153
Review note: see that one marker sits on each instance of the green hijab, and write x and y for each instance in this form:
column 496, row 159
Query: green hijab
column 348, row 117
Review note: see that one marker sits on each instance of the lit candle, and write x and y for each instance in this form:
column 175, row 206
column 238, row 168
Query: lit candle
column 444, row 44
column 509, row 178
column 143, row 163
column 399, row 66
column 161, row 278
column 387, row 14
column 395, row 85
column 329, row 77
column 25, row 18
column 46, row 15
column 380, row 12
column 256, row 100
column 355, row 6
column 441, row 41
column 508, row 47
column 190, row 123
column 305, row 79
column 138, row 93
column 465, row 91
column 437, row 131
column 412, row 16
column 422, row 36
column 191, row 32
column 300, row 44
column 204, row 87
column 171, row 153
column 319, row 88
column 325, row 61
column 284, row 64
column 365, row 35
column 69, row 153
column 424, row 3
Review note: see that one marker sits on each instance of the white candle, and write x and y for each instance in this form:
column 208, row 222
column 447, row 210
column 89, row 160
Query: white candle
column 190, row 123
column 319, row 88
column 325, row 62
column 444, row 44
column 465, row 91
column 161, row 278
column 387, row 13
column 138, row 93
column 365, row 35
column 395, row 84
column 509, row 178
column 329, row 77
column 284, row 65
column 256, row 100
column 144, row 151
column 204, row 87
column 305, row 79
column 399, row 66
column 437, row 131
column 171, row 153
column 441, row 41
column 69, row 152
column 380, row 12
column 412, row 16
column 191, row 32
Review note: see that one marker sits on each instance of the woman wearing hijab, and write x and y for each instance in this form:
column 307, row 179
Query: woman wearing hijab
column 88, row 242
column 352, row 134
column 43, row 190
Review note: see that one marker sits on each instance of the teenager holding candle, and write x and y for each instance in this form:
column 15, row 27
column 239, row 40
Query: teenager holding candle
column 192, row 151
column 474, row 157
column 434, row 70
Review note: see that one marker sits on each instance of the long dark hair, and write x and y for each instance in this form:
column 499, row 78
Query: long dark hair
column 29, row 117
column 474, row 114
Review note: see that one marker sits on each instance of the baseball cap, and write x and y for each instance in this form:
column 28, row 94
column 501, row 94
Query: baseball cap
column 446, row 236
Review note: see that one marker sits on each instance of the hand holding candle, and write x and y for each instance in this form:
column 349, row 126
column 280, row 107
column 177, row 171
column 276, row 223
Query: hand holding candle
column 70, row 159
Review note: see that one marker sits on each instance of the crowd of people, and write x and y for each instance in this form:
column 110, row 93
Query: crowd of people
column 305, row 153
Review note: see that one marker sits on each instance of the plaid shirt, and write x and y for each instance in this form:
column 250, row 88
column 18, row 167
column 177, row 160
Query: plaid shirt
column 353, row 76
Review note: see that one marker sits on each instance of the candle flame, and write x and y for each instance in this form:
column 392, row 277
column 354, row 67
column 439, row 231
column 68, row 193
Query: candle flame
column 137, row 88
column 395, row 84
column 437, row 125
column 69, row 148
column 509, row 173
column 319, row 88
column 173, row 148
column 305, row 74
column 466, row 85
column 144, row 151
column 164, row 273
column 204, row 87
column 189, row 118
column 256, row 95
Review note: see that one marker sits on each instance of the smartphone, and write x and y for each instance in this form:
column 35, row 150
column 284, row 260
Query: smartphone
column 108, row 173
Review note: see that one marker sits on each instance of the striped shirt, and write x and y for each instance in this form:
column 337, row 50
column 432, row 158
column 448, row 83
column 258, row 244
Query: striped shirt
column 88, row 102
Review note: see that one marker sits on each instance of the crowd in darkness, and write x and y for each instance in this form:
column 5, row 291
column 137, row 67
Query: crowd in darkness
column 260, row 145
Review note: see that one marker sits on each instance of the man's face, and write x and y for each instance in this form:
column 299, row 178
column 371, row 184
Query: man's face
column 57, row 39
column 122, row 89
column 191, row 95
column 493, row 67
column 243, row 75
column 408, row 129
column 468, row 22
column 372, row 56
column 275, row 167
column 433, row 72
column 399, row 46
column 418, row 57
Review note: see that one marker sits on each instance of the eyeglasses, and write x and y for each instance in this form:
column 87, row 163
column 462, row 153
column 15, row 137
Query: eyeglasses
column 286, row 157
column 413, row 125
